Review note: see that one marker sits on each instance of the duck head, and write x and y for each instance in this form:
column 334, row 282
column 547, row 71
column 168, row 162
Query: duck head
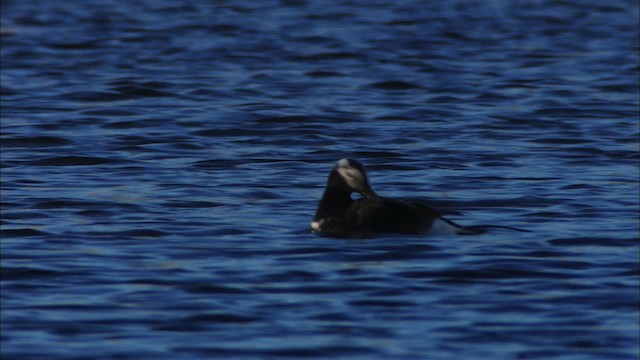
column 350, row 176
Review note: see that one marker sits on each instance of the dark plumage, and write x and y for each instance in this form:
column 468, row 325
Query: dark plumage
column 339, row 214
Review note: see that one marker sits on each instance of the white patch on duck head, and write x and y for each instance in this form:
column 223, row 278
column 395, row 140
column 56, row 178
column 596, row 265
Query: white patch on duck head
column 344, row 163
column 351, row 175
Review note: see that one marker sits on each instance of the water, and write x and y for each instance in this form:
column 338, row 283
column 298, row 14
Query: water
column 161, row 162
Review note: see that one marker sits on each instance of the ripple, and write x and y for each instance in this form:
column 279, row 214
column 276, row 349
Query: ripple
column 382, row 303
column 191, row 204
column 324, row 74
column 395, row 85
column 76, row 161
column 37, row 141
column 595, row 241
column 202, row 321
column 94, row 96
column 22, row 273
column 141, row 233
column 22, row 232
column 108, row 112
column 215, row 289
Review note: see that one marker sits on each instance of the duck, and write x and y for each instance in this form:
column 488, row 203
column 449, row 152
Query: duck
column 339, row 214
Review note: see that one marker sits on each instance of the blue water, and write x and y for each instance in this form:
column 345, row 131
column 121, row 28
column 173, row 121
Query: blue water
column 162, row 160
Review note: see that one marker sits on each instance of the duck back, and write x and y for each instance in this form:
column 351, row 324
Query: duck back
column 377, row 214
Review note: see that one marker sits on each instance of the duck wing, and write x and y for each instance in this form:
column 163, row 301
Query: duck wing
column 384, row 215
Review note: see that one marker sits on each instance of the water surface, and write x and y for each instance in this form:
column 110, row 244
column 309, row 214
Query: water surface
column 161, row 163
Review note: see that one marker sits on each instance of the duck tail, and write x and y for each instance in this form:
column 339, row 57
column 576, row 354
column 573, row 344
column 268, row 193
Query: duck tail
column 475, row 229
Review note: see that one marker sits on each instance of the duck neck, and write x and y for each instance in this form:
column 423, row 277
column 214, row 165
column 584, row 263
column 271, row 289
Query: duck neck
column 334, row 201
